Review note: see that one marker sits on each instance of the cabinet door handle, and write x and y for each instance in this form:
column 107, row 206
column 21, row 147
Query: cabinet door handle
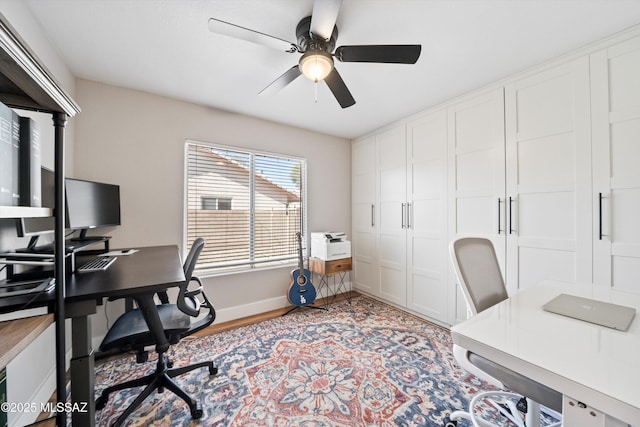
column 600, row 216
column 373, row 215
column 511, row 230
column 499, row 215
column 402, row 215
column 408, row 215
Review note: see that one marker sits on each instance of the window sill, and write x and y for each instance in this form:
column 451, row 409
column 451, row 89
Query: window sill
column 241, row 270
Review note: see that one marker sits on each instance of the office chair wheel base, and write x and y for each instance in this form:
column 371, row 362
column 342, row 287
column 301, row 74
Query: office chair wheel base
column 197, row 412
column 101, row 402
column 448, row 422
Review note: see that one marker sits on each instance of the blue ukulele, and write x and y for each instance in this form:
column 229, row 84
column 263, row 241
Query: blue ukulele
column 301, row 291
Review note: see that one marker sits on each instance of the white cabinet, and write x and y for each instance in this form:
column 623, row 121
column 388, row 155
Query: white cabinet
column 476, row 179
column 427, row 254
column 393, row 214
column 548, row 155
column 379, row 214
column 363, row 231
column 545, row 165
column 399, row 230
column 615, row 104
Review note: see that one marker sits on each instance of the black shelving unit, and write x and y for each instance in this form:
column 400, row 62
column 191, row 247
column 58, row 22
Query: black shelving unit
column 25, row 83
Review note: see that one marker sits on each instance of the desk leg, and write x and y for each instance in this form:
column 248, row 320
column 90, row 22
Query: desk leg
column 82, row 372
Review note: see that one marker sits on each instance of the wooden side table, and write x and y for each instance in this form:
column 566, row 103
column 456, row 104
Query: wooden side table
column 339, row 270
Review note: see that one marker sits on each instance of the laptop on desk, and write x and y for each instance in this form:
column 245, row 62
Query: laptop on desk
column 599, row 312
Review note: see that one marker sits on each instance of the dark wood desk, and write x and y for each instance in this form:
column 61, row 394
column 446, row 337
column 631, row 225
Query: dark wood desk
column 149, row 270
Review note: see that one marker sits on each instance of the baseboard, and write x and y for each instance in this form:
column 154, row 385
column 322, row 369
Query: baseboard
column 407, row 310
column 233, row 313
column 246, row 310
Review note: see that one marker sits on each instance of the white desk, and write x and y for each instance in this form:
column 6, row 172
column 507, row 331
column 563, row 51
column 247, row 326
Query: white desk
column 591, row 364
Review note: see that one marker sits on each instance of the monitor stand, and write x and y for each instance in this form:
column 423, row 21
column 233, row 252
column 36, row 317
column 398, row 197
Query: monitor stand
column 84, row 241
column 32, row 243
column 83, row 237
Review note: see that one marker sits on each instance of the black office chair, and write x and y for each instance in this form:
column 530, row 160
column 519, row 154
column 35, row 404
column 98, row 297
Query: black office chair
column 160, row 325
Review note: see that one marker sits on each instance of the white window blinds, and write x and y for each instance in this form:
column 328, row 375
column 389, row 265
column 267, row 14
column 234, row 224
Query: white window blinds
column 247, row 206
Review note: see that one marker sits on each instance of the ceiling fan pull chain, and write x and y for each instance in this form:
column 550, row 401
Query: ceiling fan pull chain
column 315, row 89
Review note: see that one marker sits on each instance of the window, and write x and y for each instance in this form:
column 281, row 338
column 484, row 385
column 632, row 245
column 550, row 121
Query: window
column 248, row 206
column 216, row 203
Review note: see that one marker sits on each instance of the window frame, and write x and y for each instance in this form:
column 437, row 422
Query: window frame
column 205, row 199
column 257, row 265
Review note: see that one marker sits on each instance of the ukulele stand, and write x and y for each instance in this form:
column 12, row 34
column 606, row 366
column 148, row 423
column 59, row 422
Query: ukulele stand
column 302, row 306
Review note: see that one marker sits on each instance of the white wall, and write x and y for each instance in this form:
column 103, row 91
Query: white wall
column 136, row 140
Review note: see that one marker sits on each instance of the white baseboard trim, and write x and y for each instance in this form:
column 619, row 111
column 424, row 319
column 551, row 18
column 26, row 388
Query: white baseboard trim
column 231, row 313
column 259, row 307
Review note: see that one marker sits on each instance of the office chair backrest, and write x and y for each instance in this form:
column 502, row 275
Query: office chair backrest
column 186, row 304
column 192, row 257
column 478, row 273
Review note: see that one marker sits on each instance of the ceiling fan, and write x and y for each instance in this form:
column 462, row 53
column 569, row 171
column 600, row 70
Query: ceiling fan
column 316, row 39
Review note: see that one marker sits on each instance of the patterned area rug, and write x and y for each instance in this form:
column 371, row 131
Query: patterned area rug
column 358, row 364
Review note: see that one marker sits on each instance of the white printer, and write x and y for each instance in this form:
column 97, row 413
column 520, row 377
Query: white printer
column 330, row 245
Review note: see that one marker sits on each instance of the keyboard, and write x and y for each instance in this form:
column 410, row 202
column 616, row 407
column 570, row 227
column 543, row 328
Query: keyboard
column 98, row 264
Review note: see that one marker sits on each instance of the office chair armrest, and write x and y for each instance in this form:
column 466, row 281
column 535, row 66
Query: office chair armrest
column 185, row 294
column 205, row 321
column 197, row 291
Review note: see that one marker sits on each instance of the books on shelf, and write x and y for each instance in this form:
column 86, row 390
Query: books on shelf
column 30, row 161
column 20, row 160
column 9, row 191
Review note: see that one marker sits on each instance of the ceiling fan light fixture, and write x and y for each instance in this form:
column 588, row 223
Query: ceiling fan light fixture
column 316, row 65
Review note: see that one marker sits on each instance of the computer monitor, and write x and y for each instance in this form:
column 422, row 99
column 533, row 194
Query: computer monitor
column 35, row 227
column 91, row 205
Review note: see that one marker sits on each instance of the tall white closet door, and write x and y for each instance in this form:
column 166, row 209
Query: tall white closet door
column 616, row 168
column 476, row 179
column 363, row 213
column 548, row 176
column 391, row 229
column 427, row 223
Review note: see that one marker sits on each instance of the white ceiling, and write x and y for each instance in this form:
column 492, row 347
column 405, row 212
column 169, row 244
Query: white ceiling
column 165, row 47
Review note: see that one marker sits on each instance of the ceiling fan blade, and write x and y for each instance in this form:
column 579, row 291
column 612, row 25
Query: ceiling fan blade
column 323, row 18
column 236, row 31
column 389, row 54
column 290, row 75
column 339, row 89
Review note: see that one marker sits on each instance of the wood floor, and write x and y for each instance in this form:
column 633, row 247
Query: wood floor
column 250, row 320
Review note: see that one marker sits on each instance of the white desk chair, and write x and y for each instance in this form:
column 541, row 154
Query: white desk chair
column 478, row 274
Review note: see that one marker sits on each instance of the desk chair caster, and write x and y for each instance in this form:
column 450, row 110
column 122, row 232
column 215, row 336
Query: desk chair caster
column 448, row 422
column 502, row 402
column 512, row 407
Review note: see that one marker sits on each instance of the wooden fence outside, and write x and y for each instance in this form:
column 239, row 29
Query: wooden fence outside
column 227, row 234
